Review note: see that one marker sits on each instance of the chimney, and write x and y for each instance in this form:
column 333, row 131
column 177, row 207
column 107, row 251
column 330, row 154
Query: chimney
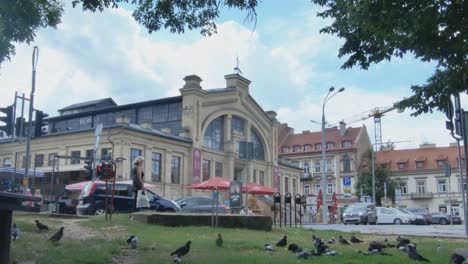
column 235, row 80
column 192, row 82
column 166, row 130
column 306, row 132
column 122, row 119
column 290, row 130
column 453, row 144
column 147, row 124
column 342, row 128
column 427, row 145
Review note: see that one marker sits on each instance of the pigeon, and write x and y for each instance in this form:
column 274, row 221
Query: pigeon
column 376, row 246
column 294, row 248
column 133, row 241
column 332, row 253
column 304, row 254
column 403, row 240
column 391, row 245
column 405, row 247
column 177, row 260
column 321, row 248
column 413, row 254
column 355, row 240
column 283, row 242
column 41, row 226
column 332, row 241
column 343, row 241
column 457, row 259
column 57, row 236
column 219, row 241
column 183, row 250
column 268, row 247
column 316, row 238
column 15, row 232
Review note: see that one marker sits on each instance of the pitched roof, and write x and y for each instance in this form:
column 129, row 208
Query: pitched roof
column 429, row 156
column 312, row 138
column 88, row 103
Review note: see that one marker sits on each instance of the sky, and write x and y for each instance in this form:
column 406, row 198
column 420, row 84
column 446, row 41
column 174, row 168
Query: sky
column 291, row 66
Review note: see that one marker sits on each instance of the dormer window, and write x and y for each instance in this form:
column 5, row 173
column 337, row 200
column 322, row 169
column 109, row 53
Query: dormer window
column 330, row 145
column 401, row 166
column 346, row 144
column 285, row 149
column 296, row 148
column 307, row 148
column 318, row 146
column 440, row 163
column 419, row 164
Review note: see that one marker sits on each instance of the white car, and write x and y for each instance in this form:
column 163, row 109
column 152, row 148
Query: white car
column 412, row 217
column 391, row 216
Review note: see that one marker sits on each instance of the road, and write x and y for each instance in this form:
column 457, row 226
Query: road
column 457, row 231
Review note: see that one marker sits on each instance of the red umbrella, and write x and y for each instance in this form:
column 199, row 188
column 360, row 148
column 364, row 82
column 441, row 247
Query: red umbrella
column 255, row 188
column 212, row 183
column 319, row 200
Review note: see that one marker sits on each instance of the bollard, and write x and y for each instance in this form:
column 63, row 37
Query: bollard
column 287, row 200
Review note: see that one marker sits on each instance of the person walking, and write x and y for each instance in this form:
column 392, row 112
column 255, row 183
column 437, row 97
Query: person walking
column 137, row 175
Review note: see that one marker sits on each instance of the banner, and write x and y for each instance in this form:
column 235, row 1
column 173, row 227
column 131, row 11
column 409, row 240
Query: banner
column 276, row 178
column 196, row 165
column 235, row 195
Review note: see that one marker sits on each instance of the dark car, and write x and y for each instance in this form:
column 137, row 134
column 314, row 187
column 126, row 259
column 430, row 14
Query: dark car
column 92, row 200
column 423, row 217
column 200, row 205
column 360, row 213
column 444, row 219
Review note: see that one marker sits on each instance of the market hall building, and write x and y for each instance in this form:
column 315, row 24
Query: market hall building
column 184, row 139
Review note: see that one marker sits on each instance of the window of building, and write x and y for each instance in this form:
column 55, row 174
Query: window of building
column 330, row 188
column 441, row 186
column 218, row 169
column 346, row 164
column 156, row 167
column 145, row 114
column 401, row 166
column 85, row 122
column 50, row 160
column 175, row 112
column 294, row 187
column 75, row 153
column 130, row 114
column 306, row 189
column 38, row 160
column 296, row 148
column 258, row 153
column 206, row 169
column 285, row 149
column 7, row 162
column 262, row 178
column 286, row 184
column 419, row 164
column 330, row 145
column 237, row 124
column 317, row 189
column 440, row 163
column 306, row 167
column 330, row 165
column 254, row 178
column 89, row 153
column 318, row 146
column 403, row 186
column 421, row 186
column 106, row 154
column 346, row 144
column 214, row 134
column 317, row 166
column 307, row 148
column 175, row 170
column 160, row 113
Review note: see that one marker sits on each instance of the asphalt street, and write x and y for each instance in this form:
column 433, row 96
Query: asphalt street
column 457, row 231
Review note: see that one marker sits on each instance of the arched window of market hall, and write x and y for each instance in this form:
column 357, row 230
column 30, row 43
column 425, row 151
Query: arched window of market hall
column 214, row 134
column 258, row 152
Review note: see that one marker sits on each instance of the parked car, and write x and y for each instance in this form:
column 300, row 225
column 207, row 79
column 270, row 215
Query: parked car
column 92, row 200
column 411, row 216
column 360, row 213
column 200, row 204
column 391, row 216
column 445, row 218
column 422, row 215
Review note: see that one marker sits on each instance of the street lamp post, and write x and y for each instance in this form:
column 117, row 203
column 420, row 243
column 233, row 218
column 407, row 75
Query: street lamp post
column 324, row 157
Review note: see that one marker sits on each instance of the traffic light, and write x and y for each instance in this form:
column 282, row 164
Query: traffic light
column 8, row 119
column 99, row 171
column 88, row 169
column 39, row 123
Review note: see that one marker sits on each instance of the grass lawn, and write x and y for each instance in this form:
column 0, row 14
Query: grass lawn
column 95, row 241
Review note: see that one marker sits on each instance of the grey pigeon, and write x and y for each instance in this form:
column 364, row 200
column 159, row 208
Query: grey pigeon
column 403, row 240
column 57, row 236
column 343, row 241
column 332, row 253
column 457, row 259
column 183, row 250
column 15, row 232
column 332, row 241
column 41, row 226
column 283, row 242
column 303, row 255
column 316, row 238
column 413, row 254
column 268, row 247
column 219, row 241
column 133, row 241
column 376, row 246
column 355, row 240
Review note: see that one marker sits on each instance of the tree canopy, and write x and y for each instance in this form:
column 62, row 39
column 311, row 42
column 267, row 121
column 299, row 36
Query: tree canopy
column 431, row 30
column 20, row 19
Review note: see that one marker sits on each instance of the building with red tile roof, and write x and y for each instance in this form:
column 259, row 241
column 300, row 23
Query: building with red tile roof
column 421, row 176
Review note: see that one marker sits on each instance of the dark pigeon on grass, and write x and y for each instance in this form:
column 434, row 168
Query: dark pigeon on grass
column 403, row 240
column 133, row 241
column 376, row 246
column 182, row 251
column 354, row 239
column 57, row 236
column 413, row 254
column 294, row 248
column 283, row 242
column 268, row 247
column 41, row 226
column 219, row 241
column 457, row 259
column 320, row 248
column 316, row 238
column 343, row 241
column 304, row 254
column 15, row 232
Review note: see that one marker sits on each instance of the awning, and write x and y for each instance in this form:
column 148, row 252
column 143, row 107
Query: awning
column 21, row 171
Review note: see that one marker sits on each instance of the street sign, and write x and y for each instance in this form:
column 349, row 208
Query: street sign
column 346, row 181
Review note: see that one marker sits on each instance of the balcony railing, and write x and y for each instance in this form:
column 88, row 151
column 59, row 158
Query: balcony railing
column 421, row 195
